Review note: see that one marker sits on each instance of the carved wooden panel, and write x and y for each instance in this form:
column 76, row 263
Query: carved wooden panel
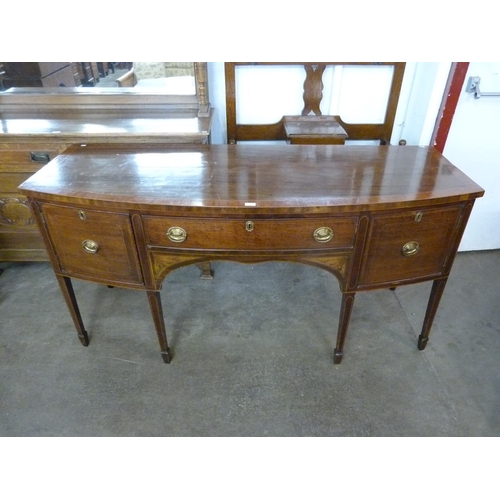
column 15, row 212
column 313, row 88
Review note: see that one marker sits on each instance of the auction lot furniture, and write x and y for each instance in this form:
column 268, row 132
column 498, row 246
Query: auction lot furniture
column 374, row 216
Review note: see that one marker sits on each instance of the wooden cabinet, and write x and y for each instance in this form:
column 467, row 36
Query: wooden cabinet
column 52, row 74
column 38, row 74
column 36, row 126
column 355, row 211
column 89, row 73
column 78, row 73
column 19, row 235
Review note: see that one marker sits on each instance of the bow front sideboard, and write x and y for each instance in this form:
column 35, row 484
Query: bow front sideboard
column 374, row 216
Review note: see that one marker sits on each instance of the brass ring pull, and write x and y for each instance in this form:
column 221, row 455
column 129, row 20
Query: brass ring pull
column 323, row 234
column 410, row 248
column 90, row 246
column 40, row 157
column 176, row 234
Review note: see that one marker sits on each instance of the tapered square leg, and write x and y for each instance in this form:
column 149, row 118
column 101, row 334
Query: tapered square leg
column 432, row 307
column 70, row 299
column 344, row 318
column 159, row 322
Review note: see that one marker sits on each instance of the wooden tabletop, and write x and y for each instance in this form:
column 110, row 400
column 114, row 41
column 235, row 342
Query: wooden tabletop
column 261, row 178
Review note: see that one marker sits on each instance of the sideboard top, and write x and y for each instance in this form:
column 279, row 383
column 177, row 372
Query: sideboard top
column 260, row 178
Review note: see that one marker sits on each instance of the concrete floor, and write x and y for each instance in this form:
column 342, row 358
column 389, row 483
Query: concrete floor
column 252, row 356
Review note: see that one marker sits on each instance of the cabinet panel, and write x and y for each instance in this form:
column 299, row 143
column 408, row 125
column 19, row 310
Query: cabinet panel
column 9, row 182
column 93, row 244
column 62, row 78
column 410, row 245
column 26, row 246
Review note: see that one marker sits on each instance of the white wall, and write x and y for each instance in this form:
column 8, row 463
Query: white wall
column 217, row 98
column 268, row 93
column 420, row 100
column 473, row 145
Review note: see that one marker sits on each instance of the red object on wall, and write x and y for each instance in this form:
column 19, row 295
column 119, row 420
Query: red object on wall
column 449, row 105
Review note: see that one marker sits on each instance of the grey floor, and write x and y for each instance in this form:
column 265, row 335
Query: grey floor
column 252, row 356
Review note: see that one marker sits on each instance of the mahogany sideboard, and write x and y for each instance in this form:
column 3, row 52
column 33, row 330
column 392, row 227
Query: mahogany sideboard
column 374, row 216
column 38, row 124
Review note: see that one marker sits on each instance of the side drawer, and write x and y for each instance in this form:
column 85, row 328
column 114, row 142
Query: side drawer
column 250, row 234
column 411, row 245
column 93, row 244
column 33, row 157
column 30, row 155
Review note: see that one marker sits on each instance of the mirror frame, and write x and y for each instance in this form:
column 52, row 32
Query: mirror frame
column 105, row 98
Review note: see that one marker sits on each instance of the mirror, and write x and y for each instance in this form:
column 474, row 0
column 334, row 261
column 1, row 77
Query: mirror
column 175, row 78
column 176, row 83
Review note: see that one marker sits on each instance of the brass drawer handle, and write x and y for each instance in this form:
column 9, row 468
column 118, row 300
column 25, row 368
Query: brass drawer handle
column 176, row 234
column 323, row 234
column 90, row 246
column 410, row 248
column 40, row 157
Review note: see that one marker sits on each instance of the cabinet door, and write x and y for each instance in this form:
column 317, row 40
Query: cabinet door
column 92, row 244
column 409, row 245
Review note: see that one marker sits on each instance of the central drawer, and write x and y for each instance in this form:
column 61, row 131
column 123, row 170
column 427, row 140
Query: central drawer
column 250, row 234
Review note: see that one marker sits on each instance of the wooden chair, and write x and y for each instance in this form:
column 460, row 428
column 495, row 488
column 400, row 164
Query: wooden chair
column 311, row 127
